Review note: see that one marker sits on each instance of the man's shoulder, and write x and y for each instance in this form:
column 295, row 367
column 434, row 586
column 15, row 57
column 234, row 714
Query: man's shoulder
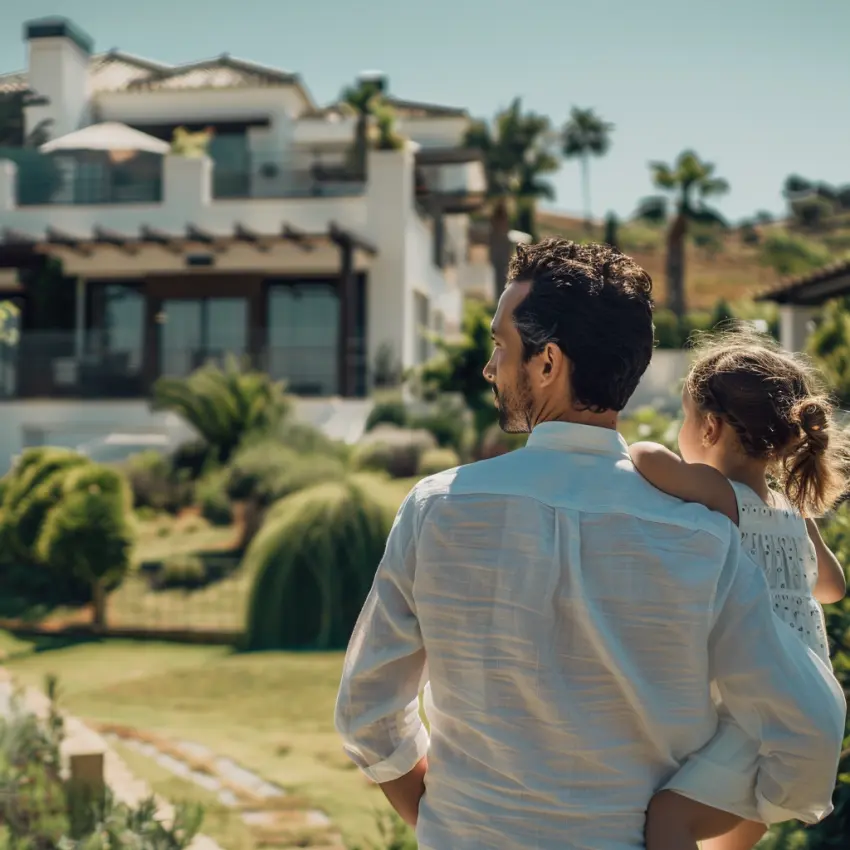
column 619, row 490
column 481, row 477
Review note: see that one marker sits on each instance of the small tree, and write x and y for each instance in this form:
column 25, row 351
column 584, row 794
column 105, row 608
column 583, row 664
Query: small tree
column 87, row 533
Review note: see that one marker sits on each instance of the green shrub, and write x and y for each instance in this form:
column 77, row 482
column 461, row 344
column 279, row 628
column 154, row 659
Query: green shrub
column 42, row 810
column 647, row 424
column 305, row 439
column 388, row 410
column 304, row 471
column 668, row 329
column 789, row 254
column 155, row 482
column 451, row 422
column 496, row 442
column 187, row 572
column 314, row 560
column 396, row 451
column 438, row 460
column 267, row 471
column 211, row 497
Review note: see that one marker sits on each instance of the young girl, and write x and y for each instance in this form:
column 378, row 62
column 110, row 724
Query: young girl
column 758, row 444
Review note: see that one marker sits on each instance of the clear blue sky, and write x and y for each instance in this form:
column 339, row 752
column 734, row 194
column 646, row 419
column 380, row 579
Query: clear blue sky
column 760, row 87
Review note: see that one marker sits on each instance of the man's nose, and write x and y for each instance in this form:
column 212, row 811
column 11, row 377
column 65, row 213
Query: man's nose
column 488, row 373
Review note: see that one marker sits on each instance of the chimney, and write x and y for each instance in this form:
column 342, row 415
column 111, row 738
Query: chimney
column 58, row 75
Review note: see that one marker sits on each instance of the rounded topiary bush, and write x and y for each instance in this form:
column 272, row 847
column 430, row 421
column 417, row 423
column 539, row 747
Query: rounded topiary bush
column 388, row 410
column 396, row 451
column 313, row 563
column 438, row 460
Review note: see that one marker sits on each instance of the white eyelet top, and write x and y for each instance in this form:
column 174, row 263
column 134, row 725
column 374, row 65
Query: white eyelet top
column 777, row 539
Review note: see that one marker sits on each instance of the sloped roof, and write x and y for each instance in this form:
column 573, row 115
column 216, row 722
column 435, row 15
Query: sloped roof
column 417, row 109
column 116, row 70
column 222, row 72
column 14, row 82
column 812, row 288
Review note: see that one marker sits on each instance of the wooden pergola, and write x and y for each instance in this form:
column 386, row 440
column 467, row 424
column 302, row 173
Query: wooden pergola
column 22, row 250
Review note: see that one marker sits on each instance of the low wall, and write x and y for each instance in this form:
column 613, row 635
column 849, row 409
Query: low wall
column 73, row 423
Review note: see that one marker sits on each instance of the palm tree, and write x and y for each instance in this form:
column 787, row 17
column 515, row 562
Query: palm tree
column 690, row 181
column 12, row 124
column 363, row 98
column 515, row 156
column 223, row 405
column 586, row 135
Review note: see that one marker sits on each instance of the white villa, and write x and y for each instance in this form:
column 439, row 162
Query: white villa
column 270, row 246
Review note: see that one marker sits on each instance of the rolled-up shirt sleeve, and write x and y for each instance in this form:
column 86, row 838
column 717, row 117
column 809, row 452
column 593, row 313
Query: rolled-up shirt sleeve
column 780, row 693
column 377, row 709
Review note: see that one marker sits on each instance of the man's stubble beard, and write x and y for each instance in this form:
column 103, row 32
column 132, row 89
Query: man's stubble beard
column 515, row 407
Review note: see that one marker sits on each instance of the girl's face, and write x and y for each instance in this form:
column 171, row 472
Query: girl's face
column 692, row 434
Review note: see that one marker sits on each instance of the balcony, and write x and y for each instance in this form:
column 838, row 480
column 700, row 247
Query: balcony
column 54, row 179
column 46, row 179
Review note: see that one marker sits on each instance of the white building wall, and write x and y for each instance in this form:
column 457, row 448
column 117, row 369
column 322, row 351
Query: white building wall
column 58, row 72
column 390, row 203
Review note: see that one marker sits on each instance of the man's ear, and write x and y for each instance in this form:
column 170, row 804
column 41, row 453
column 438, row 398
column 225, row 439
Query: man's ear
column 552, row 364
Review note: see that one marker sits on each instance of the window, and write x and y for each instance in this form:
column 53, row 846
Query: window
column 116, row 338
column 303, row 337
column 194, row 331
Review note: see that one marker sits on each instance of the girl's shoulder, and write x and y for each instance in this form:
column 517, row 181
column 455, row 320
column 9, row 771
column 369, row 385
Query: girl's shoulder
column 780, row 516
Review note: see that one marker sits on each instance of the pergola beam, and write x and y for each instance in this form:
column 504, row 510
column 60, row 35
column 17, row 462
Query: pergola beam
column 341, row 236
column 299, row 237
column 106, row 236
column 159, row 237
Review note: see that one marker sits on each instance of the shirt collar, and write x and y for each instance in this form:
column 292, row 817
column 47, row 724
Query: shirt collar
column 570, row 436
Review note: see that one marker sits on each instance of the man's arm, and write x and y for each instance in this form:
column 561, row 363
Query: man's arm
column 377, row 710
column 779, row 693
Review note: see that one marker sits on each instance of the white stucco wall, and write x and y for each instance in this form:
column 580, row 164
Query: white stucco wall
column 661, row 385
column 59, row 72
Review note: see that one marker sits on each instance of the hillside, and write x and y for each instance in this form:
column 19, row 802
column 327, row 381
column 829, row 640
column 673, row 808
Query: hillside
column 734, row 270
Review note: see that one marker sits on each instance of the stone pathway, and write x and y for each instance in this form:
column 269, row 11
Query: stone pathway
column 273, row 815
column 79, row 739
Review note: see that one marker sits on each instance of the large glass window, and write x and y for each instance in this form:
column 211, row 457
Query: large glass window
column 194, row 331
column 231, row 165
column 116, row 338
column 303, row 337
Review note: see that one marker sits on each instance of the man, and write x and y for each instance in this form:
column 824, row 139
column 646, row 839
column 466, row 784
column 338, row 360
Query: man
column 571, row 619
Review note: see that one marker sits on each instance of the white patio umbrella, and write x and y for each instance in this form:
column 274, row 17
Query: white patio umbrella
column 109, row 136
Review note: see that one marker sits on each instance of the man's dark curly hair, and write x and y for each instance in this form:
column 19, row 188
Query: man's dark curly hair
column 595, row 304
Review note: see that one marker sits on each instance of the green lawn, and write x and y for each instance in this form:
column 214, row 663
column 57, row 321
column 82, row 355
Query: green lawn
column 272, row 712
